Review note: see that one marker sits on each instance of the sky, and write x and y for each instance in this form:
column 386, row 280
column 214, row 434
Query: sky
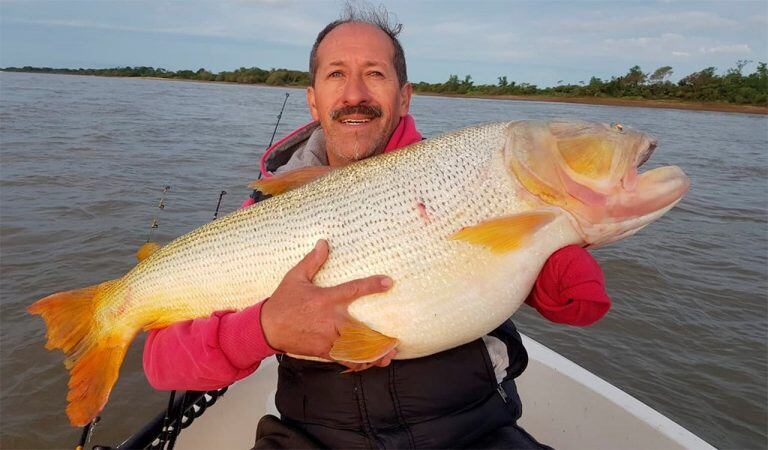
column 538, row 42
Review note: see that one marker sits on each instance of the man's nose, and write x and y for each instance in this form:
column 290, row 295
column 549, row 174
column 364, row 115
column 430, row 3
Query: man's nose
column 356, row 91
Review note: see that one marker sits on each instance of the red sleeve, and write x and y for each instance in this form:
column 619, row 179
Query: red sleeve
column 206, row 353
column 570, row 288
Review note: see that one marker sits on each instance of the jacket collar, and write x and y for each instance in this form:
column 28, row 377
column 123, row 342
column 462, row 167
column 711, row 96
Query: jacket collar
column 305, row 146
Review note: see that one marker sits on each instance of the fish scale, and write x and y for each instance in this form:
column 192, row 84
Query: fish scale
column 366, row 227
column 462, row 223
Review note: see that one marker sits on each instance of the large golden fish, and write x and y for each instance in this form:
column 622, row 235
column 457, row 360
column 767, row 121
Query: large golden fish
column 462, row 223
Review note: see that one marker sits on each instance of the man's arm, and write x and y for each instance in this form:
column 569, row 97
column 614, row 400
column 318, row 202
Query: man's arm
column 206, row 353
column 299, row 318
column 570, row 288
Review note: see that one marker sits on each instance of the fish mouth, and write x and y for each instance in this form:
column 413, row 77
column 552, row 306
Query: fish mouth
column 644, row 155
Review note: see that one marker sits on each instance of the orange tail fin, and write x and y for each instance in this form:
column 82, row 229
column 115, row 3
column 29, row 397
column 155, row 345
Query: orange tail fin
column 93, row 356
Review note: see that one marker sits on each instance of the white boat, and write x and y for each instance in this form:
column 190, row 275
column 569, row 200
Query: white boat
column 564, row 406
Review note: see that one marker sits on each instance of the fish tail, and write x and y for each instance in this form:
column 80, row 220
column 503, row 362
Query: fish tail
column 94, row 355
column 92, row 377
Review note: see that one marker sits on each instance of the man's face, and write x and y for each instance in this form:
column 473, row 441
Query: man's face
column 356, row 95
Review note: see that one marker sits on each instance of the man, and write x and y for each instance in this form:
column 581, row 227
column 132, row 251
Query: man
column 463, row 397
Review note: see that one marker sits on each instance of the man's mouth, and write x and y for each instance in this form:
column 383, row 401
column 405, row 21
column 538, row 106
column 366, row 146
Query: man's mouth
column 355, row 122
column 358, row 115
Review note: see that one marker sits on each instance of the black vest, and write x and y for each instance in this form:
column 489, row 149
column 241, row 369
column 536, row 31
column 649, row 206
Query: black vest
column 447, row 400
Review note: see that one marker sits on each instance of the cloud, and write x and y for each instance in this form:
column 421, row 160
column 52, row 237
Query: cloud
column 646, row 42
column 687, row 20
column 67, row 23
column 667, row 44
column 277, row 29
column 467, row 41
column 737, row 49
column 480, row 38
column 205, row 32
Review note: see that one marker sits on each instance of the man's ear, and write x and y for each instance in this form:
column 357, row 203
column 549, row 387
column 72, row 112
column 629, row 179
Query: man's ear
column 405, row 99
column 311, row 103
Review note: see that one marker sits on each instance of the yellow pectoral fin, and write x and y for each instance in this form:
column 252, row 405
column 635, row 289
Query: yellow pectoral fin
column 360, row 344
column 287, row 181
column 147, row 250
column 506, row 233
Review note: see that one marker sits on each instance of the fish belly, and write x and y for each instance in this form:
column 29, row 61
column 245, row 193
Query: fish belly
column 460, row 298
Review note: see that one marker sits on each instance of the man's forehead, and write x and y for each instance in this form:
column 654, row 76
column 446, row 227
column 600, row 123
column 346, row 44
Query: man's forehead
column 364, row 63
column 356, row 40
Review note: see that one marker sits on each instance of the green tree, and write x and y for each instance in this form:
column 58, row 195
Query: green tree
column 635, row 76
column 661, row 74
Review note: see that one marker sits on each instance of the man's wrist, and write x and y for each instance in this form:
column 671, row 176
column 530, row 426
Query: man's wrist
column 268, row 327
column 242, row 339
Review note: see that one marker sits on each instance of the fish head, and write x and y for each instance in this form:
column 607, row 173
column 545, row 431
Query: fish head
column 591, row 171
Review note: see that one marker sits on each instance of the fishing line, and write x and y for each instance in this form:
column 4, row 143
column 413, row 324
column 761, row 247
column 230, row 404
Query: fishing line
column 160, row 206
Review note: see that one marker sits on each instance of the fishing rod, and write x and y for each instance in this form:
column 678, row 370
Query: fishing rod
column 221, row 195
column 279, row 116
column 87, row 433
column 256, row 195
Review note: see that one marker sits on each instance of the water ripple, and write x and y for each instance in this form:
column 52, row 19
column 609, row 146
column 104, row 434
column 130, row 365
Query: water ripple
column 84, row 160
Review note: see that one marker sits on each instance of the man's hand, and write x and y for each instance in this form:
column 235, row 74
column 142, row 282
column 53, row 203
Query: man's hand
column 570, row 288
column 304, row 319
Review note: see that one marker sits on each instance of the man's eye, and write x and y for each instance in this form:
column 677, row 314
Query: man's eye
column 335, row 74
column 376, row 73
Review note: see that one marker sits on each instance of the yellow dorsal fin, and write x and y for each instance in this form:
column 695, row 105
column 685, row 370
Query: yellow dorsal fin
column 506, row 233
column 287, row 181
column 360, row 344
column 147, row 250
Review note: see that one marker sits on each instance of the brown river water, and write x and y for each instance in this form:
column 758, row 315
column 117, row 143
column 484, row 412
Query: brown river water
column 83, row 161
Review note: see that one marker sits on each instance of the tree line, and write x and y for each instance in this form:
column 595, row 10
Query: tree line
column 732, row 86
column 246, row 75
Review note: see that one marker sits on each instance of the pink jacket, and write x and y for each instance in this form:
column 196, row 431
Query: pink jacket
column 213, row 352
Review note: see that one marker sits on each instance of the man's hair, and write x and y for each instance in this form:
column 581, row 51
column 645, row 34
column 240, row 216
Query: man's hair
column 378, row 17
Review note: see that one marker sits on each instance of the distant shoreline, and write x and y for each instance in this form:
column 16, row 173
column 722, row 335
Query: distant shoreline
column 611, row 101
column 599, row 101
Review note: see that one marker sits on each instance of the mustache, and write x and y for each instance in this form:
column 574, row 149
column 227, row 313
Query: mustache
column 365, row 110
